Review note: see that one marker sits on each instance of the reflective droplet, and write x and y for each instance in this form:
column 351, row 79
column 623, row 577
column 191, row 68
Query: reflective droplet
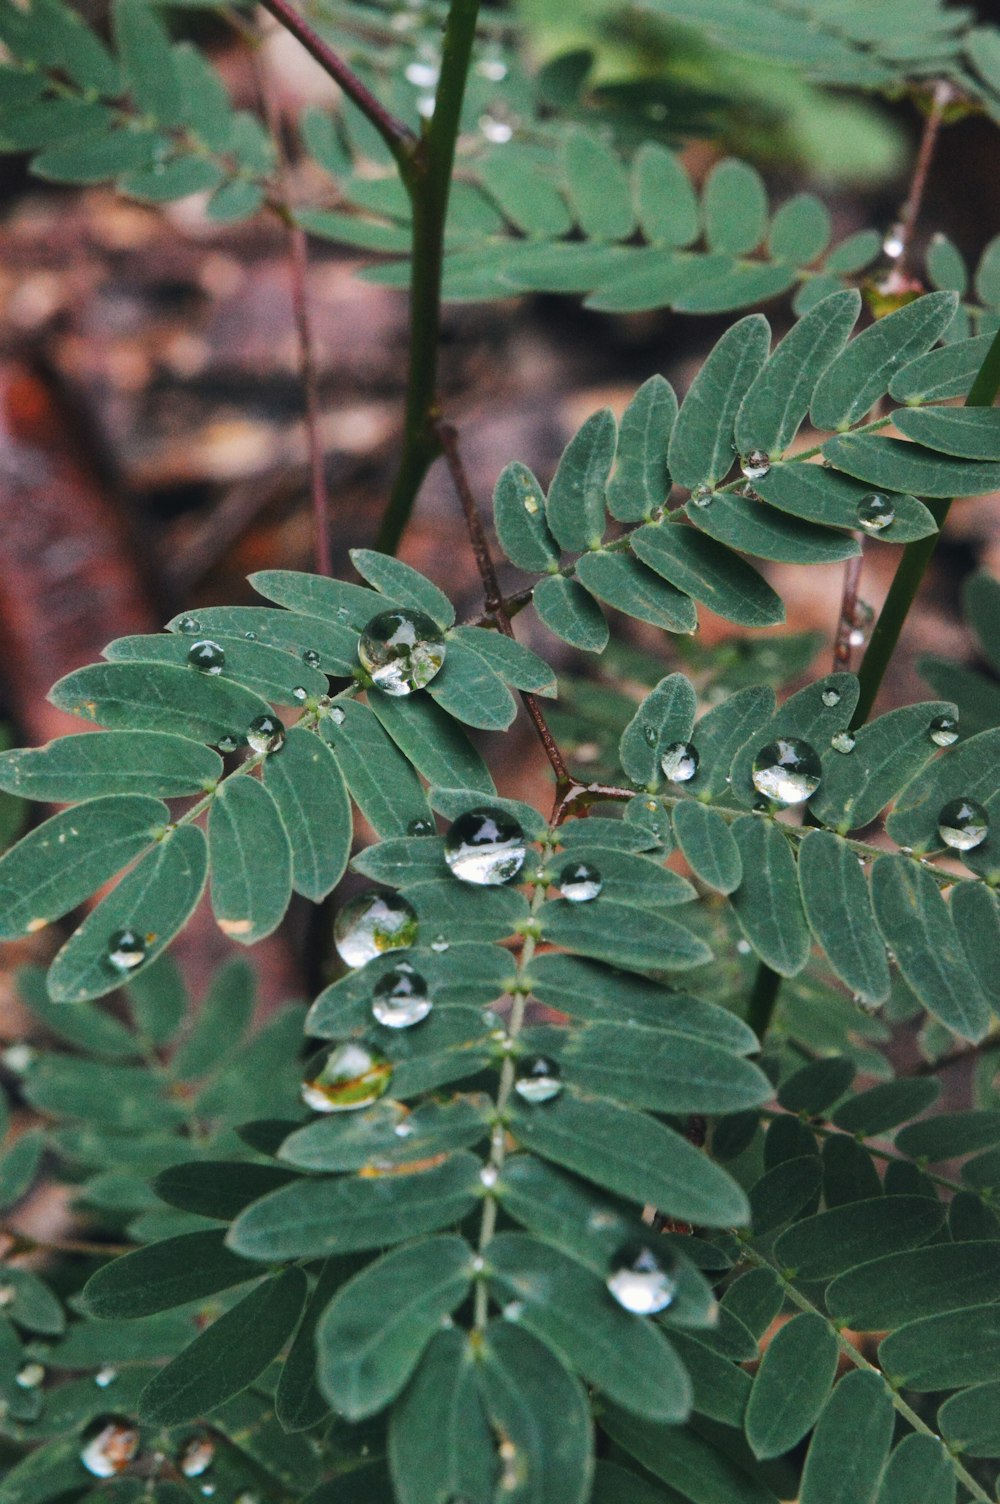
column 486, row 847
column 207, row 657
column 250, row 636
column 187, row 625
column 226, row 744
column 843, row 741
column 876, row 513
column 19, row 1058
column 338, row 716
column 422, row 75
column 830, row 698
column 7, row 1295
column 679, row 762
column 642, row 1281
column 702, row 495
column 496, row 131
column 894, row 244
column 856, row 637
column 488, row 1176
column 492, row 68
column 943, row 730
column 105, row 1377
column 400, row 998
column 786, row 771
column 30, row 1375
column 963, row 824
column 371, row 924
column 265, row 734
column 537, row 1079
column 126, row 950
column 755, row 465
column 344, row 1078
column 311, row 658
column 300, row 695
column 208, row 1489
column 439, row 944
column 580, row 882
column 650, row 735
column 196, row 1456
column 109, row 1445
column 421, row 826
column 402, row 650
column 744, row 947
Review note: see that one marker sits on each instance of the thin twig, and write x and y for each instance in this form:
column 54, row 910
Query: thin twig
column 940, row 99
column 848, row 613
column 23, row 1243
column 299, row 266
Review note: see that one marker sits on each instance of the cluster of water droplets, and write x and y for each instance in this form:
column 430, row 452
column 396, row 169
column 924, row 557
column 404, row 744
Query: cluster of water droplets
column 401, row 650
column 787, row 771
column 485, row 847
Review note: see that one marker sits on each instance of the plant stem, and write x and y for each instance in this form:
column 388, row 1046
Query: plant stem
column 763, row 1000
column 426, row 171
column 848, row 608
column 299, row 266
column 942, row 96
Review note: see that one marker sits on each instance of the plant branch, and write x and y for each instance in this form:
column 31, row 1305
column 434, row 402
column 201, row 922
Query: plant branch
column 763, row 1000
column 940, row 99
column 299, row 266
column 848, row 610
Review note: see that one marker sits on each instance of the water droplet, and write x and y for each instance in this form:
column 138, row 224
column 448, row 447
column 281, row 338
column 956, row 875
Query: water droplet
column 421, row 826
column 580, row 882
column 843, row 741
column 265, row 734
column 30, row 1375
column 300, row 695
column 105, row 1377
column 208, row 1489
column 7, row 1295
column 530, row 505
column 702, row 495
column 400, row 998
column 894, row 244
column 486, row 847
column 207, row 657
column 943, row 730
column 226, row 744
column 488, row 1176
column 110, row 1443
column 338, row 716
column 187, row 625
column 875, row 513
column 537, row 1079
column 492, row 68
column 422, row 75
column 744, row 947
column 963, row 824
column 19, row 1058
column 679, row 762
column 755, row 465
column 497, row 131
column 250, row 636
column 345, row 1077
column 439, row 944
column 371, row 924
column 650, row 736
column 641, row 1281
column 513, row 1310
column 404, row 1130
column 196, row 1456
column 786, row 771
column 402, row 650
column 126, row 950
column 856, row 637
column 247, row 1498
column 830, row 698
column 311, row 658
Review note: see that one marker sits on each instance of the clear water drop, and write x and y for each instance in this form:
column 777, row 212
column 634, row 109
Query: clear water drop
column 894, row 243
column 265, row 734
column 439, row 945
column 109, row 1445
column 188, row 625
column 702, row 495
column 679, row 762
column 856, row 637
column 494, row 69
column 496, row 131
column 311, row 658
column 743, row 947
column 641, row 1281
column 344, row 1078
column 30, row 1375
column 650, row 735
column 19, row 1058
column 485, row 847
column 197, row 1456
column 943, row 730
column 755, row 465
column 402, row 650
column 207, row 657
column 226, row 744
column 400, row 998
column 580, row 882
column 421, row 826
column 489, row 1176
column 830, row 698
column 843, row 741
column 105, row 1377
column 300, row 695
column 787, row 771
column 250, row 636
column 963, row 824
column 875, row 513
column 208, row 1489
column 126, row 950
column 422, row 75
column 338, row 716
column 537, row 1079
column 371, row 924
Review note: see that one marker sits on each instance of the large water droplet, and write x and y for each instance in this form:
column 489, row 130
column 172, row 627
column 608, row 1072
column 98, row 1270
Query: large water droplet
column 641, row 1281
column 421, row 826
column 344, row 1078
column 400, row 998
column 963, row 824
column 311, row 658
column 486, row 847
column 207, row 657
column 943, row 730
column 580, row 882
column 196, row 1456
column 371, row 924
column 830, row 698
column 679, row 762
column 876, row 513
column 537, row 1079
column 265, row 734
column 843, row 741
column 755, row 465
column 786, row 771
column 126, row 950
column 109, row 1445
column 30, row 1375
column 402, row 650
column 188, row 625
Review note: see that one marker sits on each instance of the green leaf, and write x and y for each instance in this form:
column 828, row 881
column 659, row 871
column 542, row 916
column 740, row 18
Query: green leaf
column 334, row 641
column 622, row 582
column 975, row 912
column 565, row 1305
column 968, row 771
column 158, row 697
column 666, row 715
column 166, row 1274
column 629, row 937
column 914, row 920
column 948, row 1351
column 403, row 586
column 861, row 373
column 887, row 754
column 220, row 1023
column 298, row 1403
column 61, row 862
column 470, row 690
column 574, row 508
column 701, row 1472
column 155, row 899
column 541, row 1412
column 19, row 1165
column 454, row 802
column 218, row 1188
column 970, row 1421
column 980, row 602
column 270, row 672
column 148, row 62
column 882, row 1107
column 890, row 1292
column 792, row 1385
column 158, row 1000
column 627, row 878
column 767, row 904
column 641, row 482
column 165, row 181
column 313, row 1218
column 918, row 1469
column 800, row 230
column 440, row 1445
column 969, row 432
column 806, row 715
column 516, row 665
column 847, row 1235
column 816, row 1086
column 632, row 1155
column 431, row 741
column 708, row 845
column 95, row 158
column 597, row 186
column 251, row 860
column 745, row 525
column 734, row 205
column 99, row 763
column 850, row 1444
column 701, row 444
column 371, row 1336
column 527, row 196
column 571, row 613
column 942, row 373
column 92, row 1344
column 902, row 466
column 721, row 733
column 785, row 1190
column 519, row 518
column 821, row 495
column 31, row 1304
column 112, row 1096
column 305, row 784
column 665, row 200
column 229, row 1354
column 720, row 1388
column 381, row 780
column 948, row 1135
column 710, row 573
column 234, row 201
column 838, row 907
column 371, row 1139
column 775, row 405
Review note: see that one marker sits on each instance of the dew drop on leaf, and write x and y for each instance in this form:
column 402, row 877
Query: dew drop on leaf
column 400, row 998
column 7, row 1295
column 439, row 944
column 649, row 736
column 843, row 741
column 207, row 657
column 755, row 465
column 679, row 762
column 338, row 716
column 875, row 513
column 496, row 131
column 488, row 1176
column 310, row 658
column 300, row 695
column 105, row 1377
column 188, row 625
column 196, row 1456
column 30, row 1375
column 421, row 826
column 371, row 924
column 226, row 744
column 744, row 947
column 786, row 771
column 250, row 636
column 943, row 730
column 537, row 1079
column 485, row 847
column 126, row 950
column 109, row 1445
column 641, row 1281
column 265, row 734
column 830, row 698
column 344, row 1078
column 402, row 650
column 963, row 824
column 702, row 495
column 580, row 882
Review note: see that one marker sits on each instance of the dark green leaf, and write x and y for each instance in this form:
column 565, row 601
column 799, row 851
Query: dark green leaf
column 944, row 1352
column 641, row 481
column 306, row 785
column 816, row 1086
column 882, row 1107
column 792, row 1385
column 270, row 672
column 666, row 202
column 574, row 508
column 519, row 517
column 221, row 1022
column 784, row 1191
column 701, row 1472
column 571, row 613
column 970, row 432
column 918, row 1469
column 403, row 585
column 821, row 495
column 597, row 186
column 373, row 1138
column 746, row 526
column 218, row 1188
column 889, row 1292
column 626, row 936
column 850, row 1444
column 900, row 465
column 709, row 572
column 298, row 1403
column 381, row 780
column 948, row 1135
column 166, row 1274
column 334, row 640
column 31, row 1304
column 665, row 716
column 734, row 205
column 861, row 373
column 19, row 1164
column 975, row 912
column 147, row 59
column 701, row 444
column 970, row 1421
column 158, row 1000
column 251, row 860
column 470, row 690
column 946, row 372
column 835, row 1240
column 440, row 1445
column 110, row 762
column 516, row 665
column 624, row 583
column 708, row 845
column 887, row 753
column 838, row 907
column 767, row 903
column 158, row 697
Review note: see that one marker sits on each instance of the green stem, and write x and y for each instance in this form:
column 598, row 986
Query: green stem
column 913, row 565
column 763, row 1000
column 427, row 176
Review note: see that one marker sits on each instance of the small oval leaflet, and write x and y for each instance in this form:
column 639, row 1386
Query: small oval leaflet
column 207, row 657
column 580, row 882
column 641, row 1280
column 401, row 998
column 875, row 513
column 265, row 734
column 344, row 1078
column 109, row 1445
column 371, row 924
column 126, row 950
column 485, row 847
column 402, row 650
column 787, row 771
column 537, row 1079
column 963, row 824
column 943, row 730
column 679, row 762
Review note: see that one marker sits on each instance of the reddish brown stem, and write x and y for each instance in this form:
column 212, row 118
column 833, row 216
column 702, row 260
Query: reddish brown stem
column 848, row 613
column 941, row 98
column 299, row 262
